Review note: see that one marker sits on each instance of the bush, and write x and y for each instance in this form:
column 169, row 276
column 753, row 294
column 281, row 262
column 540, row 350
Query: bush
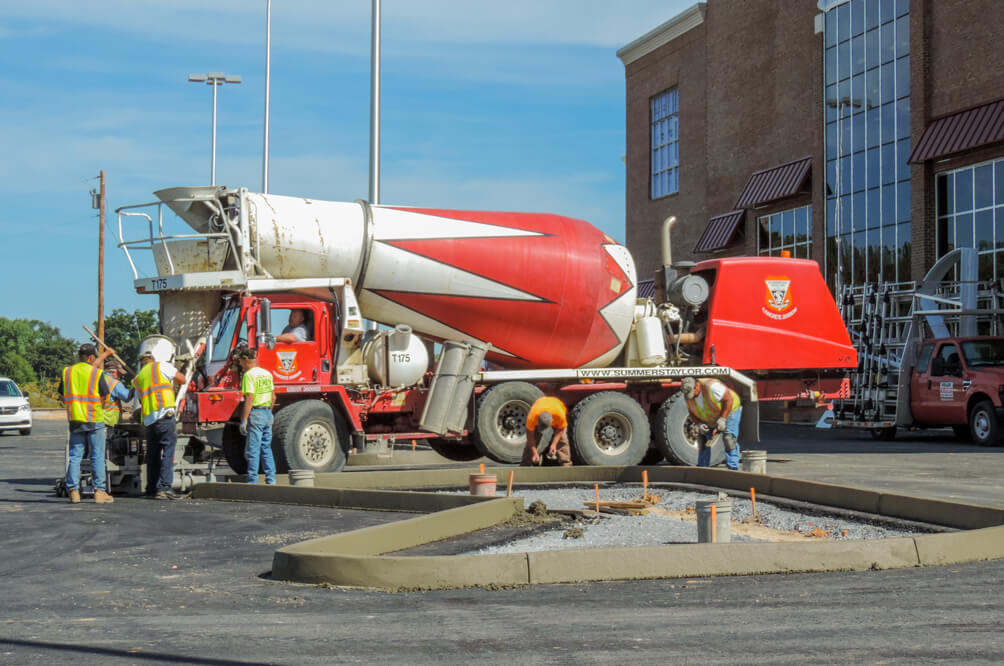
column 42, row 394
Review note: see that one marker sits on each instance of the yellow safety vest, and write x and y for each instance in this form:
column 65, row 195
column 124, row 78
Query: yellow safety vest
column 80, row 393
column 705, row 408
column 113, row 411
column 154, row 393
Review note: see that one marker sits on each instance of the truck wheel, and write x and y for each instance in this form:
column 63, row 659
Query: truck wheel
column 652, row 457
column 983, row 425
column 500, row 421
column 233, row 449
column 609, row 428
column 676, row 434
column 883, row 434
column 961, row 431
column 309, row 434
column 451, row 449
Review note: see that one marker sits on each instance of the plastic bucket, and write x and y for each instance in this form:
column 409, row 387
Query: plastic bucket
column 723, row 521
column 483, row 484
column 754, row 461
column 301, row 477
column 161, row 346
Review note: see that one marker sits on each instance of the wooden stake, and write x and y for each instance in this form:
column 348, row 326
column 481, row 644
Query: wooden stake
column 753, row 499
column 508, row 490
column 644, row 483
column 101, row 260
column 714, row 520
column 597, row 500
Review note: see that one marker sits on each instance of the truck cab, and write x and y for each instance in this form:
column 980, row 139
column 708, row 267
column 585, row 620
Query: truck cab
column 959, row 382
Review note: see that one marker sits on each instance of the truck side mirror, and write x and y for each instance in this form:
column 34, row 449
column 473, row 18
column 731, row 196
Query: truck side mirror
column 264, row 323
column 937, row 366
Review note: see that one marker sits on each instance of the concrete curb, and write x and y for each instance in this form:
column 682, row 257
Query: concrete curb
column 359, row 558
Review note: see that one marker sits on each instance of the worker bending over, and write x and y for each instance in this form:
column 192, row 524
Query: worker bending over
column 154, row 384
column 82, row 389
column 717, row 409
column 547, row 434
column 256, row 416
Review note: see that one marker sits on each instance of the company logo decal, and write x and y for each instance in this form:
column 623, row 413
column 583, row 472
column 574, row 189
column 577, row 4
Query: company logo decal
column 287, row 367
column 779, row 303
column 947, row 390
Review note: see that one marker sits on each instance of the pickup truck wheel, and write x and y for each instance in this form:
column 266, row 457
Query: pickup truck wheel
column 609, row 428
column 675, row 434
column 310, row 434
column 983, row 425
column 883, row 434
column 500, row 421
column 961, row 431
column 233, row 449
column 451, row 449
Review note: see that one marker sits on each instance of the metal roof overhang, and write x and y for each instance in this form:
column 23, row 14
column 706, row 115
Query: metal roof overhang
column 979, row 126
column 775, row 183
column 720, row 231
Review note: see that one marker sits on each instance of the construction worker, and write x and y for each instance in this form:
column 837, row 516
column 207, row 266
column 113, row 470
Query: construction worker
column 717, row 409
column 118, row 394
column 154, row 384
column 82, row 389
column 256, row 416
column 296, row 330
column 547, row 434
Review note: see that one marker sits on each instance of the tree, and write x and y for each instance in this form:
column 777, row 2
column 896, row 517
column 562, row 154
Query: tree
column 125, row 330
column 33, row 350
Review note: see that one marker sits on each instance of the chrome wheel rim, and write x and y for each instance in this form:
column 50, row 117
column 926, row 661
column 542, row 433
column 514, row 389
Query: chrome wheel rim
column 317, row 444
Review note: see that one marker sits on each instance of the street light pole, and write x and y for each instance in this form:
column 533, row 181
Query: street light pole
column 213, row 79
column 375, row 104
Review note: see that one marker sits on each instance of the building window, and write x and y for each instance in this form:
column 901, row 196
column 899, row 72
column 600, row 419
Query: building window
column 789, row 230
column 970, row 205
column 866, row 71
column 665, row 143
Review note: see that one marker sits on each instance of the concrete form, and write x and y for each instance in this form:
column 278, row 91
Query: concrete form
column 360, row 558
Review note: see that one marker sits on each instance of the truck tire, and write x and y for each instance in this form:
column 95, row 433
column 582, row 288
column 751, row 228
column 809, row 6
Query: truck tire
column 500, row 421
column 983, row 425
column 609, row 428
column 675, row 434
column 233, row 449
column 883, row 434
column 652, row 457
column 310, row 434
column 451, row 449
column 961, row 431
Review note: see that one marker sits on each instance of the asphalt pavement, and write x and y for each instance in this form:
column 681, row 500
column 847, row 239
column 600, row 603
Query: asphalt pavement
column 185, row 582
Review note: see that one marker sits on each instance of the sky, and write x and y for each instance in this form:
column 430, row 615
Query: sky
column 515, row 105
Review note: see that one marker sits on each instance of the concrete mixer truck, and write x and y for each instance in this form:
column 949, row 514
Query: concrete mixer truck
column 479, row 313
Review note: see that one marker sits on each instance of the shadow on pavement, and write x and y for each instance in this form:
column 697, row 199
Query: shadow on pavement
column 127, row 654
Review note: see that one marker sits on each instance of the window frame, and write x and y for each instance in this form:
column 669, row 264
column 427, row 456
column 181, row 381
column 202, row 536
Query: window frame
column 663, row 150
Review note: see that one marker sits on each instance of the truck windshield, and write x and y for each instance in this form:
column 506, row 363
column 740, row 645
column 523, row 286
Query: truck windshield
column 984, row 353
column 223, row 334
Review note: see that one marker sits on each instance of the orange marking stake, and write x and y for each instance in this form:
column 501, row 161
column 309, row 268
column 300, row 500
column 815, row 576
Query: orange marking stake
column 414, row 443
column 753, row 499
column 482, row 468
column 597, row 500
column 714, row 520
column 508, row 490
column 644, row 483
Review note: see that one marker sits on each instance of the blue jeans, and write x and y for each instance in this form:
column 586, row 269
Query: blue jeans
column 731, row 457
column 161, row 438
column 259, row 445
column 79, row 439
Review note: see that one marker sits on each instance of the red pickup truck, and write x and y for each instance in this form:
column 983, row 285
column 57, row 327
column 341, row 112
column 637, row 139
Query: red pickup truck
column 959, row 382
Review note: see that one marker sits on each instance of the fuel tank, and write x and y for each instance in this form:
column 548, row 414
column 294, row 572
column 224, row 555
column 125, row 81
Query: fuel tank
column 543, row 290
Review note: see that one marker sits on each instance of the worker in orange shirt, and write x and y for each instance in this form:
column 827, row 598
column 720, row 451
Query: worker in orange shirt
column 547, row 434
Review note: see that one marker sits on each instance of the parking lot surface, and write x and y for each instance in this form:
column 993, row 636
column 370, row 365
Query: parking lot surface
column 144, row 581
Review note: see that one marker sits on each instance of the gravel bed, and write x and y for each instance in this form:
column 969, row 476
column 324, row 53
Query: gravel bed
column 652, row 529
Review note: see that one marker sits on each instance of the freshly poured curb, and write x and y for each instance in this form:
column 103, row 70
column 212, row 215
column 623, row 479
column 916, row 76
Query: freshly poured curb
column 358, row 558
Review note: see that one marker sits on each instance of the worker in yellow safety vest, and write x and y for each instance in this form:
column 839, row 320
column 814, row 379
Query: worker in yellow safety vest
column 717, row 409
column 82, row 388
column 118, row 394
column 154, row 384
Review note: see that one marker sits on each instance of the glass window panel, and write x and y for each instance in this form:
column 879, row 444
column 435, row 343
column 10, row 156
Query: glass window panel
column 673, row 127
column 963, row 190
column 831, row 65
column 844, row 215
column 983, row 180
column 874, row 122
column 830, row 31
column 888, row 120
column 857, row 55
column 888, row 42
column 941, row 235
column 903, row 252
column 984, row 232
column 902, row 155
column 674, row 154
column 858, row 93
column 964, row 230
column 858, row 131
column 903, row 77
column 999, row 227
column 888, row 163
column 999, row 182
column 888, row 82
column 903, row 201
column 857, row 16
column 831, row 140
column 844, row 94
column 873, row 90
column 873, row 52
column 831, row 205
column 902, row 7
column 860, row 182
column 788, row 228
column 871, row 14
column 903, row 120
column 986, row 266
column 831, row 102
column 843, row 60
column 888, row 204
column 859, row 215
column 860, row 242
column 831, row 177
column 843, row 22
column 888, row 253
column 872, row 161
column 803, row 223
column 902, row 35
column 874, row 254
column 845, row 175
column 874, row 196
column 887, row 9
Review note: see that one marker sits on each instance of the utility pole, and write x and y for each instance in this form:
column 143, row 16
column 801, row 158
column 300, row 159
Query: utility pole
column 268, row 93
column 375, row 103
column 100, row 205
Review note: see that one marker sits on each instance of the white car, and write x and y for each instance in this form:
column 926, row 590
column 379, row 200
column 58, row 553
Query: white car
column 15, row 412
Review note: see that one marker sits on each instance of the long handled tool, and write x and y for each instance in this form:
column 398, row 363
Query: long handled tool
column 102, row 343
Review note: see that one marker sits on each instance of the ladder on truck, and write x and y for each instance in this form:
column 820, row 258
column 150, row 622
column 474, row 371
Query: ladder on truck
column 887, row 321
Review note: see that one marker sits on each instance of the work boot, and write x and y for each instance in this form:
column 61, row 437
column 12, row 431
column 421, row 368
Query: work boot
column 101, row 497
column 167, row 495
column 74, row 496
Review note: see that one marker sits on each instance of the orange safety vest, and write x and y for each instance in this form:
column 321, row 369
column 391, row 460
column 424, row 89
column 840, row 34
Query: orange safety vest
column 80, row 393
column 153, row 392
column 704, row 408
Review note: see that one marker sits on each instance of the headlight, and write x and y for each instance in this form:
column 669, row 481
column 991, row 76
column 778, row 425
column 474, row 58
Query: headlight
column 26, row 407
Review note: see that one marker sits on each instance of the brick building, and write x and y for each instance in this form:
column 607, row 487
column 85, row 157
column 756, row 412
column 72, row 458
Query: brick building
column 865, row 134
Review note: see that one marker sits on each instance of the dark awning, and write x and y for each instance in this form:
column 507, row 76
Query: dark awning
column 720, row 231
column 775, row 183
column 975, row 127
